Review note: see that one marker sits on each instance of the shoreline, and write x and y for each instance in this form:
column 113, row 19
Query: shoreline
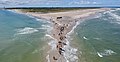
column 61, row 30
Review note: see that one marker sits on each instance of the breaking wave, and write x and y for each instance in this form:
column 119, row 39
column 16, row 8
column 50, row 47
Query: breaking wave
column 98, row 15
column 117, row 17
column 113, row 16
column 85, row 38
column 70, row 53
column 26, row 30
column 52, row 43
column 42, row 20
column 106, row 53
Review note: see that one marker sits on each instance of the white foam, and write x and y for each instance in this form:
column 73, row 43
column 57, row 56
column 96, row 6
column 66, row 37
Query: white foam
column 49, row 36
column 46, row 26
column 106, row 53
column 118, row 9
column 85, row 38
column 52, row 44
column 77, row 23
column 112, row 10
column 27, row 30
column 97, row 38
column 98, row 15
column 115, row 16
column 108, row 11
column 42, row 20
column 99, row 54
column 70, row 53
column 48, row 59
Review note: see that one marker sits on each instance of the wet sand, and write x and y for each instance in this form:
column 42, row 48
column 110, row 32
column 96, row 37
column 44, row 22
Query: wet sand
column 63, row 23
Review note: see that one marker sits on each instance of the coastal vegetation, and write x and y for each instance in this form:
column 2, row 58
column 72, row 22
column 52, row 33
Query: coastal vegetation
column 51, row 9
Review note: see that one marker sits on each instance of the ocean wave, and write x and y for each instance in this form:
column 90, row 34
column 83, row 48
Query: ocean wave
column 98, row 15
column 85, row 38
column 49, row 36
column 48, row 59
column 106, row 53
column 53, row 42
column 48, row 28
column 97, row 38
column 72, row 31
column 42, row 20
column 112, row 10
column 117, row 8
column 99, row 54
column 27, row 30
column 117, row 17
column 114, row 16
column 70, row 53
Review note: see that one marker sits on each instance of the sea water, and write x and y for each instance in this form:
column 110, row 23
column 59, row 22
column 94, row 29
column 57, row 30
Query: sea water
column 22, row 37
column 98, row 38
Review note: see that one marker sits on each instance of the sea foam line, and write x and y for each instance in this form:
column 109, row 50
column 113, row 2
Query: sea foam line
column 27, row 30
column 52, row 44
column 115, row 16
column 77, row 23
column 48, row 59
column 70, row 53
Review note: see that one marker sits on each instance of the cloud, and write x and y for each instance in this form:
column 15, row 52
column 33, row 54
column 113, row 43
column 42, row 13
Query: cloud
column 26, row 2
column 82, row 2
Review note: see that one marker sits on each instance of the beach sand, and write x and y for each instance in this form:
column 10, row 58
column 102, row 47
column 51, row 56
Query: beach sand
column 63, row 23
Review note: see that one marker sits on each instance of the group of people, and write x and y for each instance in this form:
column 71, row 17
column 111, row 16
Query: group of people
column 61, row 38
column 61, row 42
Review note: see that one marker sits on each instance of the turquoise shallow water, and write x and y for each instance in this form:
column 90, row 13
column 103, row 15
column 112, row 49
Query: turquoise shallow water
column 99, row 37
column 21, row 37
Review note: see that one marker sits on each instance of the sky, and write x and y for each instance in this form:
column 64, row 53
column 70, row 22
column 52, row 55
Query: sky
column 58, row 3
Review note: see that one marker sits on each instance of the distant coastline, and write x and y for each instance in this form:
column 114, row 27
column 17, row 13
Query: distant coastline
column 49, row 9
